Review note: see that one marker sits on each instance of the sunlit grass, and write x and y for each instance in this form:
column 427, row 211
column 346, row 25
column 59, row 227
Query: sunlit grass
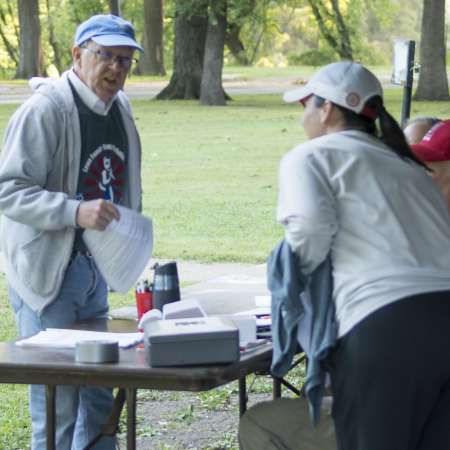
column 210, row 173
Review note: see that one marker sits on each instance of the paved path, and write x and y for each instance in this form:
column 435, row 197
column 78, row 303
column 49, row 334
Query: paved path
column 14, row 93
column 192, row 272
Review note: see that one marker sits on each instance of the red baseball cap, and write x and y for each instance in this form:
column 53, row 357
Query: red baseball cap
column 435, row 145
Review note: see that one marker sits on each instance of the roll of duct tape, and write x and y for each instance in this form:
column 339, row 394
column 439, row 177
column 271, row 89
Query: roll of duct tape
column 97, row 352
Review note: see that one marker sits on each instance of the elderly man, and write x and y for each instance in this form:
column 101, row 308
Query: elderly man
column 69, row 152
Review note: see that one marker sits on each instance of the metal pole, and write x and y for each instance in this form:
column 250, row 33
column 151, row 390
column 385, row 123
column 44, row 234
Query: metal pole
column 407, row 90
column 114, row 7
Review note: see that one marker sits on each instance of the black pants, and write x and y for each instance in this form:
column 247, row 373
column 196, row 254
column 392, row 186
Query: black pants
column 391, row 378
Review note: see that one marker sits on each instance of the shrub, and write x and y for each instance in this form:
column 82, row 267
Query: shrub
column 313, row 57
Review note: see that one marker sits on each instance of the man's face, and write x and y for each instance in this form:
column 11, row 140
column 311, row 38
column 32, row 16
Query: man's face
column 103, row 69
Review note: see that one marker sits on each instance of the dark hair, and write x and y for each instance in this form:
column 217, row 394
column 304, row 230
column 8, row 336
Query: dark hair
column 391, row 133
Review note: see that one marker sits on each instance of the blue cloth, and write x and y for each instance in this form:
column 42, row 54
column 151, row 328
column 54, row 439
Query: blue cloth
column 302, row 312
column 80, row 411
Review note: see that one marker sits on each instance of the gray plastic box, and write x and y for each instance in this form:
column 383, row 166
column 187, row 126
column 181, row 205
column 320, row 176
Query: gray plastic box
column 183, row 342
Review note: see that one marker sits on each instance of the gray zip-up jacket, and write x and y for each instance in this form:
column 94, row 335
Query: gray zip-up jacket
column 39, row 168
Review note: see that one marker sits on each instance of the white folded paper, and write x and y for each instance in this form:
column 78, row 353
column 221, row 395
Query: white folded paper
column 123, row 249
column 62, row 338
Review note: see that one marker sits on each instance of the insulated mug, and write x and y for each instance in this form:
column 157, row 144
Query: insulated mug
column 166, row 286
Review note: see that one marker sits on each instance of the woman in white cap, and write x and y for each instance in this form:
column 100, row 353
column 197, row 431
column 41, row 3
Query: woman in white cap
column 356, row 192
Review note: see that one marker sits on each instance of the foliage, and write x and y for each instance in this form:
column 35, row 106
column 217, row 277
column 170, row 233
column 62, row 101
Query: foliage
column 79, row 10
column 271, row 31
column 293, row 29
column 313, row 57
column 259, row 29
column 9, row 33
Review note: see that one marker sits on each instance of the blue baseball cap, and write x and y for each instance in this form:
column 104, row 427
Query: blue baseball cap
column 107, row 30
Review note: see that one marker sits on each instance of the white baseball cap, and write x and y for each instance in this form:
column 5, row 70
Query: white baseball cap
column 344, row 83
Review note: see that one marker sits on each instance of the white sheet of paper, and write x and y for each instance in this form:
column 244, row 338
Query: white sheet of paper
column 62, row 338
column 263, row 301
column 123, row 249
column 258, row 312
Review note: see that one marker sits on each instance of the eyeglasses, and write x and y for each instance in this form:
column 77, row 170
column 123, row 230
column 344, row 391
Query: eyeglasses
column 111, row 58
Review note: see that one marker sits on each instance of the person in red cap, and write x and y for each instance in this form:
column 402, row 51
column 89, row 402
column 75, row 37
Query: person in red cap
column 355, row 194
column 417, row 127
column 434, row 150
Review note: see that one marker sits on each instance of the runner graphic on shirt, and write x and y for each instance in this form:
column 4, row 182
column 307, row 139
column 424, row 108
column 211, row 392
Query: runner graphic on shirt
column 107, row 178
column 102, row 174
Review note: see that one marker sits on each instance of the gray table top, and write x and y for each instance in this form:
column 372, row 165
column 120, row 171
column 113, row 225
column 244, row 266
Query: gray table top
column 31, row 365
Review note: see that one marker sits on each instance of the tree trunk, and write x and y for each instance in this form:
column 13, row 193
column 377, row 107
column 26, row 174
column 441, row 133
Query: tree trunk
column 235, row 45
column 30, row 62
column 211, row 90
column 114, row 7
column 433, row 84
column 152, row 61
column 338, row 39
column 344, row 33
column 190, row 35
column 53, row 40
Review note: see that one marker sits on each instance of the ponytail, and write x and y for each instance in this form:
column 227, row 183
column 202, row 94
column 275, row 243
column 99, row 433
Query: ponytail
column 391, row 133
column 394, row 138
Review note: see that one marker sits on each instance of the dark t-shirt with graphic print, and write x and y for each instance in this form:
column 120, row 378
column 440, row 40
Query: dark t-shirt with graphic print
column 104, row 155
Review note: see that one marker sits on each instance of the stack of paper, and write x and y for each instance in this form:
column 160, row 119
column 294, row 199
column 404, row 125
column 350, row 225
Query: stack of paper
column 62, row 338
column 123, row 249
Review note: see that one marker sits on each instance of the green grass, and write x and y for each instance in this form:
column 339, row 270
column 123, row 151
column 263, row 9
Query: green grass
column 14, row 418
column 210, row 177
column 210, row 173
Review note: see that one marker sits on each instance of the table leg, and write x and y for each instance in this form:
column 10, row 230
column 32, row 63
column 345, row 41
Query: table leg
column 131, row 418
column 242, row 396
column 276, row 389
column 50, row 392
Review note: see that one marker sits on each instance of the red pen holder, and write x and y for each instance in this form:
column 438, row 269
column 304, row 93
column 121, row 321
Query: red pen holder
column 144, row 303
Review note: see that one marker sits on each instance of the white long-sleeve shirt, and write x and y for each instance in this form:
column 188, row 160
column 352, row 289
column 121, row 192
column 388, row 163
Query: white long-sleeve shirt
column 383, row 219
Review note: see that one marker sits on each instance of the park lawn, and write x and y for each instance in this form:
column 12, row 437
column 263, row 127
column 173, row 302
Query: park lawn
column 209, row 177
column 210, row 173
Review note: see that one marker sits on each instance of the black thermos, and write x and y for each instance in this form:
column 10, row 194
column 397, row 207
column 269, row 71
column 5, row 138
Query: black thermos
column 166, row 286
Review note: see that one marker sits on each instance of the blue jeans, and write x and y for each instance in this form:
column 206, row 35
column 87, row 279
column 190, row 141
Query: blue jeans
column 80, row 411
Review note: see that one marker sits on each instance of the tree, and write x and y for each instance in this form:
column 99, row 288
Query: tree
column 30, row 61
column 235, row 45
column 433, row 84
column 190, row 36
column 211, row 92
column 152, row 61
column 6, row 18
column 333, row 27
column 57, row 60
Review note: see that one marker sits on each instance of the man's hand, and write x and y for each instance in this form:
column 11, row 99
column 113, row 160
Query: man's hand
column 96, row 214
